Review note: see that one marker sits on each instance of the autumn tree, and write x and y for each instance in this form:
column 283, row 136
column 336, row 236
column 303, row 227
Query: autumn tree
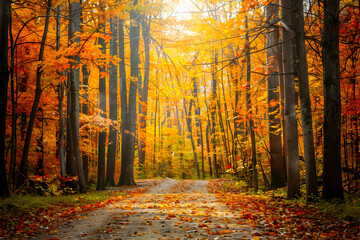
column 23, row 171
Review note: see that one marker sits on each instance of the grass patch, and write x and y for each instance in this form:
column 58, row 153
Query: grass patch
column 348, row 210
column 32, row 203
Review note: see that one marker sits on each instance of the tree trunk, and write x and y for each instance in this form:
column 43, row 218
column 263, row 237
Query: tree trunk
column 276, row 159
column 305, row 101
column 4, row 80
column 13, row 143
column 123, row 91
column 144, row 94
column 332, row 187
column 249, row 110
column 85, row 86
column 61, row 129
column 213, row 117
column 111, row 154
column 128, row 149
column 292, row 150
column 75, row 14
column 23, row 172
column 102, row 105
column 85, row 158
column 61, row 98
column 189, row 127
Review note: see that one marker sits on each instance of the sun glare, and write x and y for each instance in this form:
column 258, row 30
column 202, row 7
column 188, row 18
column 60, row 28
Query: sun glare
column 183, row 9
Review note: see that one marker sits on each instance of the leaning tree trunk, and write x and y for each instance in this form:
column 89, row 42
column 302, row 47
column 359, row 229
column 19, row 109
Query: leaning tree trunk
column 332, row 187
column 292, row 149
column 305, row 101
column 4, row 80
column 23, row 171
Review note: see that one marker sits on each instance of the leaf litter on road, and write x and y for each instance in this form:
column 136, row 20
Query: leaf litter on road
column 196, row 209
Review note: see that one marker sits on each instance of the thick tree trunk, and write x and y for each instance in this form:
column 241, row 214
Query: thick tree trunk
column 113, row 71
column 123, row 91
column 23, row 172
column 292, row 150
column 4, row 80
column 127, row 161
column 332, row 187
column 74, row 92
column 276, row 159
column 305, row 101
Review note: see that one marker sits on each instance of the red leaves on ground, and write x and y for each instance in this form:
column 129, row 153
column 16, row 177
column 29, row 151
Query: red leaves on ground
column 27, row 225
column 288, row 220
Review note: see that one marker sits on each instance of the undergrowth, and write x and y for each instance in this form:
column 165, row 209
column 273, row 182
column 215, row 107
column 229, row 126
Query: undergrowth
column 348, row 210
column 32, row 203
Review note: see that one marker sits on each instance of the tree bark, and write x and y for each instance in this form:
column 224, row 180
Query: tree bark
column 213, row 110
column 292, row 150
column 276, row 158
column 128, row 149
column 332, row 187
column 61, row 129
column 305, row 101
column 74, row 92
column 144, row 94
column 4, row 80
column 123, row 90
column 113, row 71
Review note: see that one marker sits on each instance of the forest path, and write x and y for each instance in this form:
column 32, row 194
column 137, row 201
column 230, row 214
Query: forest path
column 173, row 209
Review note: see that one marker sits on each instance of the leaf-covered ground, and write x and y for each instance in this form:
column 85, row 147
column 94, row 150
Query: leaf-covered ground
column 183, row 209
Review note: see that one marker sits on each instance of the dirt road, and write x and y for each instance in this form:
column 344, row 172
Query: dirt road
column 172, row 209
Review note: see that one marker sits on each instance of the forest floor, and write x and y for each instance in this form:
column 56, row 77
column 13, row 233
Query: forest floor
column 195, row 209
